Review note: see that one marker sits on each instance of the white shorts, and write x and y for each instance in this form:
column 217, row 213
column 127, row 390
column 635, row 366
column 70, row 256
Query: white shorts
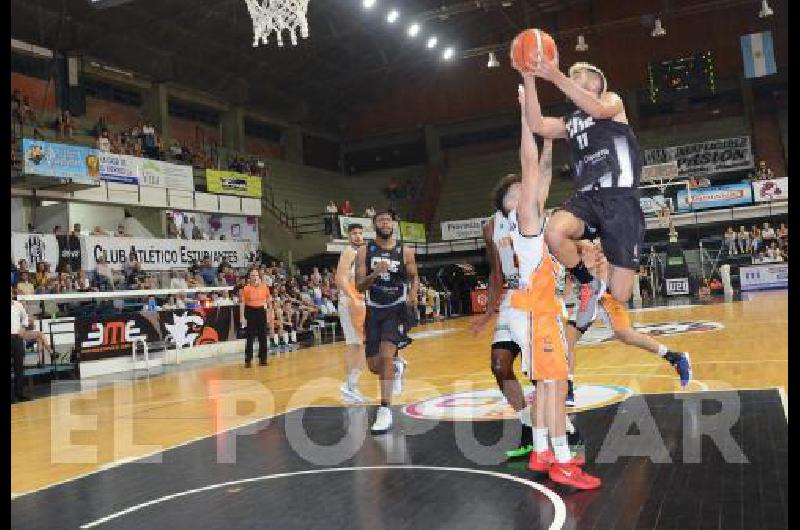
column 353, row 331
column 502, row 330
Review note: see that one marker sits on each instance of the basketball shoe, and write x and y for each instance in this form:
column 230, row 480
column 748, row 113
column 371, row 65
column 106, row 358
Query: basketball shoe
column 588, row 299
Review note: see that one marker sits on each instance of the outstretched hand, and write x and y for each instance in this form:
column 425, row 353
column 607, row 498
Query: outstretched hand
column 546, row 69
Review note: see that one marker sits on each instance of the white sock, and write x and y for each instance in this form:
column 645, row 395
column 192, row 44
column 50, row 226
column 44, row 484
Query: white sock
column 525, row 416
column 570, row 426
column 539, row 440
column 275, row 339
column 352, row 379
column 570, row 377
column 294, row 336
column 662, row 350
column 286, row 337
column 561, row 449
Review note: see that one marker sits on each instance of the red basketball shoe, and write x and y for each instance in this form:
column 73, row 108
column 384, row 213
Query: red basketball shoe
column 574, row 476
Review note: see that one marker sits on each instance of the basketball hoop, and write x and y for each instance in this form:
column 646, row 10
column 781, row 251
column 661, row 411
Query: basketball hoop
column 277, row 16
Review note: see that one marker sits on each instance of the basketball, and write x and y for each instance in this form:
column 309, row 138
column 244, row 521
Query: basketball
column 526, row 46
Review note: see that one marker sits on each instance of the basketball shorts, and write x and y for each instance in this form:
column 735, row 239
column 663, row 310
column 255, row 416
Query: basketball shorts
column 616, row 215
column 502, row 339
column 351, row 317
column 542, row 343
column 384, row 324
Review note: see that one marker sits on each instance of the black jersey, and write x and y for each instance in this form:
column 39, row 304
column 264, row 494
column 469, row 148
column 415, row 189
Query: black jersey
column 604, row 153
column 390, row 287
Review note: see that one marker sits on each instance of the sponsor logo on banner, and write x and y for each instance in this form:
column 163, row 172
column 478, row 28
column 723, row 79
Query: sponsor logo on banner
column 233, row 183
column 705, row 158
column 490, row 405
column 764, row 277
column 76, row 163
column 599, row 334
column 676, row 286
column 120, row 168
column 412, row 232
column 34, row 248
column 715, row 197
column 463, row 229
column 165, row 175
column 771, row 190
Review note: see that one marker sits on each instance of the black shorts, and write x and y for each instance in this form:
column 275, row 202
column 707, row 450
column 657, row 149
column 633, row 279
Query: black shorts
column 616, row 215
column 384, row 324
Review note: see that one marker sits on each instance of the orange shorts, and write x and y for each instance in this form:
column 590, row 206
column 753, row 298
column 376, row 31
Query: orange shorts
column 542, row 343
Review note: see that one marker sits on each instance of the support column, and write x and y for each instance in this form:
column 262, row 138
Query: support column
column 156, row 107
column 292, row 141
column 233, row 129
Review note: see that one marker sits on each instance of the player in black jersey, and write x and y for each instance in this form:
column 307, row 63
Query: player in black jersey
column 606, row 163
column 387, row 271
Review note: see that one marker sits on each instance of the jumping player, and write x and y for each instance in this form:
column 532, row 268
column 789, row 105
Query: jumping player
column 352, row 312
column 536, row 324
column 617, row 318
column 606, row 164
column 387, row 271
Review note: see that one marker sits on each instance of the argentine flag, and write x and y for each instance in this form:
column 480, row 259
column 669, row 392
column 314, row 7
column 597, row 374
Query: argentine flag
column 758, row 55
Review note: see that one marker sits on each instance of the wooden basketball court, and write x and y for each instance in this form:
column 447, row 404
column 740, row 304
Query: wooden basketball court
column 95, row 476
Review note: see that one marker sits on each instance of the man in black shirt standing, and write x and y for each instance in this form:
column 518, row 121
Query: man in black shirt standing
column 387, row 271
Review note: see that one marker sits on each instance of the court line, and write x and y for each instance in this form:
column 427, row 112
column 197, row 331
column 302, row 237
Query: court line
column 746, row 361
column 558, row 504
column 784, row 401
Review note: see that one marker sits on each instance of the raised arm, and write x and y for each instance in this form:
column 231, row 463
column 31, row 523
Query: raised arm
column 544, row 127
column 545, row 171
column 606, row 107
column 529, row 213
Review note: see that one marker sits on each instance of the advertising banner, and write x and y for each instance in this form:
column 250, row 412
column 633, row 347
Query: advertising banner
column 705, row 158
column 233, row 183
column 125, row 169
column 366, row 222
column 77, row 163
column 165, row 175
column 413, row 232
column 463, row 229
column 764, row 277
column 162, row 254
column 101, row 337
column 715, row 197
column 771, row 190
column 34, row 248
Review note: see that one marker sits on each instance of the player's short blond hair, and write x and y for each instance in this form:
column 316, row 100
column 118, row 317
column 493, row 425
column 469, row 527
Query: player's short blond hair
column 592, row 68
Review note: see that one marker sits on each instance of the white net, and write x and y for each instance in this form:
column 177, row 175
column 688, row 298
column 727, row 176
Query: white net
column 277, row 16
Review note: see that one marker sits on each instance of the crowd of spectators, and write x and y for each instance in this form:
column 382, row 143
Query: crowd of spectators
column 762, row 172
column 764, row 244
column 332, row 213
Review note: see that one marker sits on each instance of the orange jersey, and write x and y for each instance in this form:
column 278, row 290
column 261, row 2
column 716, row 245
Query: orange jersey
column 253, row 296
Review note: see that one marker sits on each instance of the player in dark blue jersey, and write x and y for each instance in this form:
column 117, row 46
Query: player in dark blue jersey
column 606, row 164
column 387, row 271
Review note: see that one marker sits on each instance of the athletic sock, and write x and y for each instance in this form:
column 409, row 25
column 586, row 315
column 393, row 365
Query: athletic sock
column 539, row 440
column 662, row 350
column 570, row 427
column 561, row 449
column 581, row 273
column 352, row 379
column 525, row 416
column 293, row 336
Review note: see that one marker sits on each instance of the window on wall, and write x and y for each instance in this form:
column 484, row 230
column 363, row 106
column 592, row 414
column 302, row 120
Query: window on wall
column 262, row 130
column 106, row 91
column 190, row 112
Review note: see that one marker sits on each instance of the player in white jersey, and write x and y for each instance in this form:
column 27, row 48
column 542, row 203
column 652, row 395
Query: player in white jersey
column 504, row 270
column 352, row 311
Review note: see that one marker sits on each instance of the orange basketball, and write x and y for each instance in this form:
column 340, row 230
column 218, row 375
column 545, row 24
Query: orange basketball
column 526, row 46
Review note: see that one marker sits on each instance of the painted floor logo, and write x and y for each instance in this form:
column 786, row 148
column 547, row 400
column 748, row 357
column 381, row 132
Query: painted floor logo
column 430, row 333
column 598, row 335
column 486, row 405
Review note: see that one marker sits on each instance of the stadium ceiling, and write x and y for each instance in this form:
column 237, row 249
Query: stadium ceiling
column 352, row 56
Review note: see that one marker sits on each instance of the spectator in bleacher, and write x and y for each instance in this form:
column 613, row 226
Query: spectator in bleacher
column 346, row 208
column 783, row 236
column 744, row 240
column 121, row 232
column 103, row 142
column 767, row 234
column 149, row 140
column 730, row 241
column 369, row 212
column 24, row 285
column 103, row 277
column 76, row 229
column 763, row 172
column 135, row 278
column 208, row 272
column 64, row 124
column 330, row 217
column 704, row 182
column 41, row 276
column 774, row 253
column 177, row 280
column 58, row 231
column 22, row 266
column 755, row 239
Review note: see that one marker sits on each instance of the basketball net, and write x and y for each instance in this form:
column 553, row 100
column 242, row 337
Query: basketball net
column 277, row 16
